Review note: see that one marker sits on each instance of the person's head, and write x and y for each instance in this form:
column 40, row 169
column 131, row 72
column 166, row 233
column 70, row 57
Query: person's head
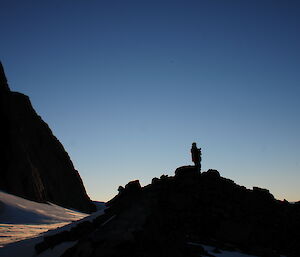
column 194, row 144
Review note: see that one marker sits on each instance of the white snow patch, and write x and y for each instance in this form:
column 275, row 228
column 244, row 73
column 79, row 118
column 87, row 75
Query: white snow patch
column 21, row 219
column 23, row 224
column 25, row 248
column 17, row 210
column 210, row 249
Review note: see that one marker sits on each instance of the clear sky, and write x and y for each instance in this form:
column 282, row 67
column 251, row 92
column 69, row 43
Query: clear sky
column 127, row 86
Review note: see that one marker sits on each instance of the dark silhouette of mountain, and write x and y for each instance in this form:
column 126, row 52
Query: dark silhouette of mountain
column 173, row 216
column 33, row 163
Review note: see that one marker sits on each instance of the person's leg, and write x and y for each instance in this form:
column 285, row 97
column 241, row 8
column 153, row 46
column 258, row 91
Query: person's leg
column 198, row 167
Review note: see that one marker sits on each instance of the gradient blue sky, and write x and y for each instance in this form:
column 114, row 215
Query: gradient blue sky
column 127, row 86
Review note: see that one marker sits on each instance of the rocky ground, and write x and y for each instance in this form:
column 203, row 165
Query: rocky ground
column 174, row 216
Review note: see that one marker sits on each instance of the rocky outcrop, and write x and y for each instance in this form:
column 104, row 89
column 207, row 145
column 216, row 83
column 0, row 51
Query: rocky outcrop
column 33, row 163
column 173, row 216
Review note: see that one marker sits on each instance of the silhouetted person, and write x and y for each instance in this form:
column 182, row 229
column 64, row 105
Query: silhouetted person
column 196, row 156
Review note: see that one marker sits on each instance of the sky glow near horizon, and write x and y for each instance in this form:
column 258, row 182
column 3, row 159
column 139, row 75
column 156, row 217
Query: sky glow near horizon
column 127, row 86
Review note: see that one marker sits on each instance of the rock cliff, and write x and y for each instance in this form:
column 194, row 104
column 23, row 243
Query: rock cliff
column 33, row 163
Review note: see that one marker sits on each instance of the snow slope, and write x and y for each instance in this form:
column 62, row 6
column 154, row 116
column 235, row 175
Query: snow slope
column 25, row 248
column 17, row 210
column 21, row 218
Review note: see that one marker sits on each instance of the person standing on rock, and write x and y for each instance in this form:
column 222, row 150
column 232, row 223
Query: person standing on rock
column 196, row 156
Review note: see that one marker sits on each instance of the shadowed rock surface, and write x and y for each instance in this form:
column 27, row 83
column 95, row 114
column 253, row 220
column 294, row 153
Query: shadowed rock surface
column 33, row 163
column 171, row 216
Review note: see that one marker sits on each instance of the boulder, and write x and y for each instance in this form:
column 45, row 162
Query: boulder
column 186, row 171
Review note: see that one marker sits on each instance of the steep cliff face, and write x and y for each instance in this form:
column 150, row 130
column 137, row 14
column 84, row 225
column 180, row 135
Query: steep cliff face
column 33, row 163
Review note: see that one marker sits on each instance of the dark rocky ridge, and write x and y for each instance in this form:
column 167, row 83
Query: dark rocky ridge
column 162, row 219
column 33, row 163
